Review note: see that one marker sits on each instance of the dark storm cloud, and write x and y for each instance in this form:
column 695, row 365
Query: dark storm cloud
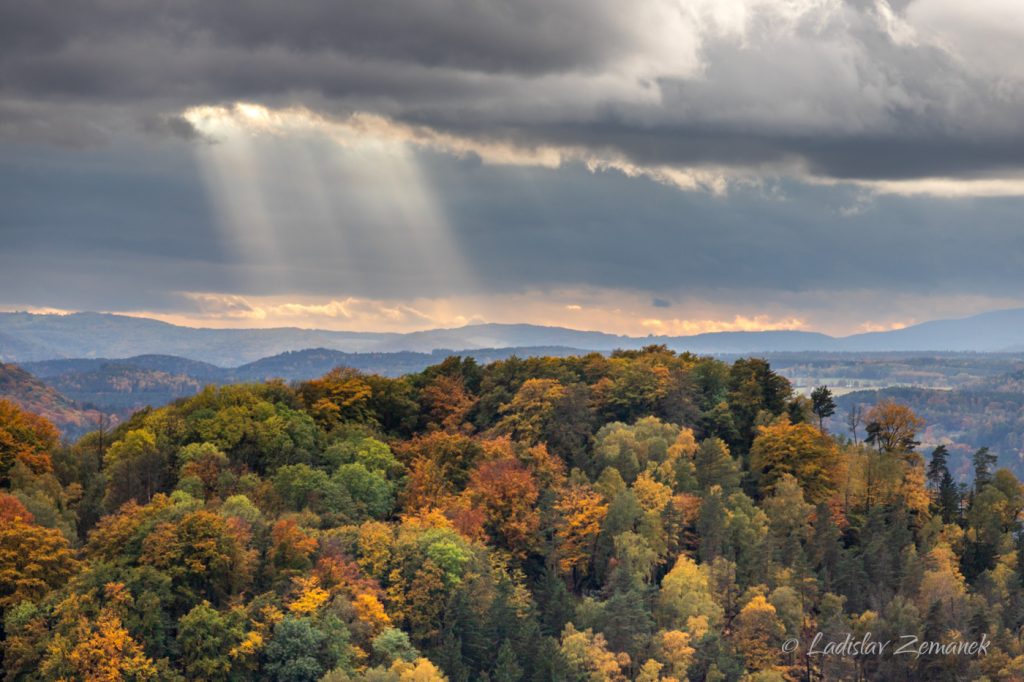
column 127, row 228
column 850, row 90
column 560, row 227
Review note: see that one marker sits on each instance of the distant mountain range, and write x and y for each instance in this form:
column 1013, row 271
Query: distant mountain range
column 26, row 337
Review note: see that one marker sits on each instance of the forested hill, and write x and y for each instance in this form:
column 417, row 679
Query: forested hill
column 72, row 418
column 641, row 516
column 122, row 386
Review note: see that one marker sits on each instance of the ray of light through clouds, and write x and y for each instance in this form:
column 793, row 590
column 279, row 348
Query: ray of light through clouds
column 659, row 167
column 275, row 177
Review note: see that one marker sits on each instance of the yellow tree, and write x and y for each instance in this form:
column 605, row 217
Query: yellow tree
column 420, row 670
column 800, row 450
column 340, row 395
column 685, row 596
column 942, row 582
column 757, row 634
column 892, row 427
column 25, row 438
column 675, row 649
column 309, row 596
column 650, row 671
column 33, row 561
column 105, row 652
column 588, row 657
column 374, row 544
column 581, row 511
column 527, row 415
column 370, row 611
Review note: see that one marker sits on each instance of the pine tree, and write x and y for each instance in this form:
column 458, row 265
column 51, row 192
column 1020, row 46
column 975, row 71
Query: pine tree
column 983, row 461
column 554, row 601
column 711, row 525
column 937, row 466
column 823, row 405
column 715, row 466
column 825, row 546
column 945, row 497
column 949, row 499
column 506, row 669
column 548, row 663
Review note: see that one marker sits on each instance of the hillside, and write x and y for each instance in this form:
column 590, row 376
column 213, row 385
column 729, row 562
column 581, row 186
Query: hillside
column 962, row 419
column 639, row 516
column 314, row 362
column 33, row 395
column 160, row 363
column 1000, row 330
column 122, row 386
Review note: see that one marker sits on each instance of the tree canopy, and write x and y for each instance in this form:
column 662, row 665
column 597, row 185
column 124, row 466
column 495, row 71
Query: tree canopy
column 643, row 515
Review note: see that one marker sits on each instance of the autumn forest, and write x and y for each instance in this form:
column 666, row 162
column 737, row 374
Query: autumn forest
column 640, row 516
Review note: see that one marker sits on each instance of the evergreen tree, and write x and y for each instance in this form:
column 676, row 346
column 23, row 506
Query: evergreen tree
column 949, row 499
column 937, row 467
column 823, row 405
column 825, row 547
column 983, row 461
column 506, row 669
column 554, row 602
column 715, row 466
column 945, row 496
column 711, row 525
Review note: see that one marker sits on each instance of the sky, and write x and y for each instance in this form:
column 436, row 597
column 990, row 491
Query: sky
column 652, row 167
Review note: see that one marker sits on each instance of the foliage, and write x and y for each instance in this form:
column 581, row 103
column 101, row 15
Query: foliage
column 645, row 516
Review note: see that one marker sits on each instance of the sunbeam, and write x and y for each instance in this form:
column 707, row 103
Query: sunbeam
column 294, row 188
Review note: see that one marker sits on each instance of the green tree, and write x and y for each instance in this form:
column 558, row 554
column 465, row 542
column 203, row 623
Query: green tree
column 788, row 516
column 135, row 469
column 945, row 496
column 715, row 466
column 371, row 493
column 393, row 645
column 755, row 388
column 984, row 462
column 506, row 669
column 631, row 448
column 205, row 637
column 293, row 652
column 823, row 405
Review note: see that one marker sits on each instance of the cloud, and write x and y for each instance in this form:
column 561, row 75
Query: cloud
column 604, row 309
column 135, row 223
column 396, row 164
column 691, row 94
column 739, row 323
